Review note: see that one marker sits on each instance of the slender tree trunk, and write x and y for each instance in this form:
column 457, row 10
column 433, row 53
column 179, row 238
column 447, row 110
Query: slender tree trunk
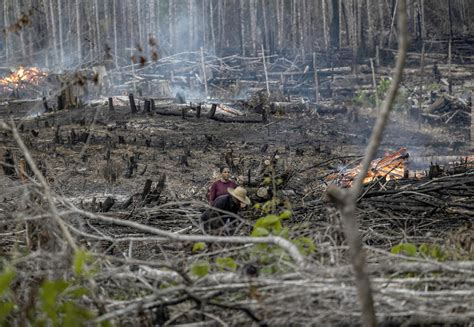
column 140, row 24
column 107, row 21
column 382, row 23
column 300, row 22
column 370, row 25
column 279, row 22
column 335, row 25
column 361, row 44
column 325, row 24
column 340, row 23
column 242, row 27
column 253, row 26
column 49, row 33
column 114, row 11
column 171, row 17
column 89, row 10
column 78, row 32
column 294, row 30
column 191, row 23
column 345, row 17
column 423, row 28
column 60, row 23
column 20, row 33
column 8, row 51
column 213, row 34
column 97, row 27
column 53, row 28
column 266, row 34
column 422, row 75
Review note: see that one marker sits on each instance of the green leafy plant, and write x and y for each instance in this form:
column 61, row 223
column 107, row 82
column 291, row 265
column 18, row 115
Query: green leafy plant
column 58, row 303
column 226, row 263
column 431, row 251
column 407, row 249
column 200, row 269
column 6, row 303
column 199, row 246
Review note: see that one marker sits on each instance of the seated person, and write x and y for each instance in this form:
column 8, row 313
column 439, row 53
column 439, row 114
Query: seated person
column 232, row 202
column 220, row 186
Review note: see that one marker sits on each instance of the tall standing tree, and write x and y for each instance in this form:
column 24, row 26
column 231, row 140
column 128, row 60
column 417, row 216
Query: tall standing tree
column 78, row 31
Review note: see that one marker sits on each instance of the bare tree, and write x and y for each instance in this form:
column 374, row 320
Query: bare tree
column 78, row 31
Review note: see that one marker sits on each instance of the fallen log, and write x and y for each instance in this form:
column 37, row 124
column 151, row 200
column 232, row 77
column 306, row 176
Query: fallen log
column 227, row 119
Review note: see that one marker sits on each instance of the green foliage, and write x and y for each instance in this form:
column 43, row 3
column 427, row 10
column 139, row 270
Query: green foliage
column 383, row 87
column 6, row 304
column 57, row 305
column 259, row 232
column 7, row 276
column 199, row 246
column 431, row 251
column 200, row 269
column 407, row 249
column 305, row 245
column 365, row 99
column 226, row 263
column 83, row 264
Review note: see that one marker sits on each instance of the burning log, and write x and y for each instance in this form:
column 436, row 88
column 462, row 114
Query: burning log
column 390, row 167
column 21, row 79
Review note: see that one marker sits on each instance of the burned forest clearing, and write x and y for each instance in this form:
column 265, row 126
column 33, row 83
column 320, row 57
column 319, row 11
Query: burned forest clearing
column 355, row 149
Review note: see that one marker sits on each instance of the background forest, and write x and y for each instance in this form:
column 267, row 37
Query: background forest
column 69, row 33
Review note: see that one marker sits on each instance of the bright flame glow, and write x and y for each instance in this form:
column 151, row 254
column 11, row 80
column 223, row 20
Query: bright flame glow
column 390, row 167
column 21, row 77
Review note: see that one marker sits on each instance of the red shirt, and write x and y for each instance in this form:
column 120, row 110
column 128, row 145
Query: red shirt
column 219, row 188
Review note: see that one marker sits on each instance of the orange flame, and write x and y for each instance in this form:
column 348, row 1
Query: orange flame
column 390, row 167
column 22, row 76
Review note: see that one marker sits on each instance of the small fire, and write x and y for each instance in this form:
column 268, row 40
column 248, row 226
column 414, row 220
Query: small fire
column 390, row 167
column 21, row 77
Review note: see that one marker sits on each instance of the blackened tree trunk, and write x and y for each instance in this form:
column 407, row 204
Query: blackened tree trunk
column 334, row 29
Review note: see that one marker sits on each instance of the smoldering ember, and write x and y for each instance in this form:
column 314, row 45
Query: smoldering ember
column 236, row 163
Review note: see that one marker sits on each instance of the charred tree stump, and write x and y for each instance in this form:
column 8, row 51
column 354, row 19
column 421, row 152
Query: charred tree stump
column 107, row 204
column 72, row 137
column 153, row 106
column 60, row 102
column 147, row 106
column 8, row 164
column 45, row 105
column 146, row 188
column 111, row 104
column 264, row 115
column 131, row 166
column 154, row 195
column 183, row 113
column 83, row 137
column 212, row 112
column 198, row 111
column 183, row 160
column 133, row 106
column 57, row 136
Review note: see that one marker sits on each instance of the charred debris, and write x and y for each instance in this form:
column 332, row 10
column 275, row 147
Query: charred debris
column 116, row 162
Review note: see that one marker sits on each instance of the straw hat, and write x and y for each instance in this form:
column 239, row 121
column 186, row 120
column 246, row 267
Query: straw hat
column 240, row 194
